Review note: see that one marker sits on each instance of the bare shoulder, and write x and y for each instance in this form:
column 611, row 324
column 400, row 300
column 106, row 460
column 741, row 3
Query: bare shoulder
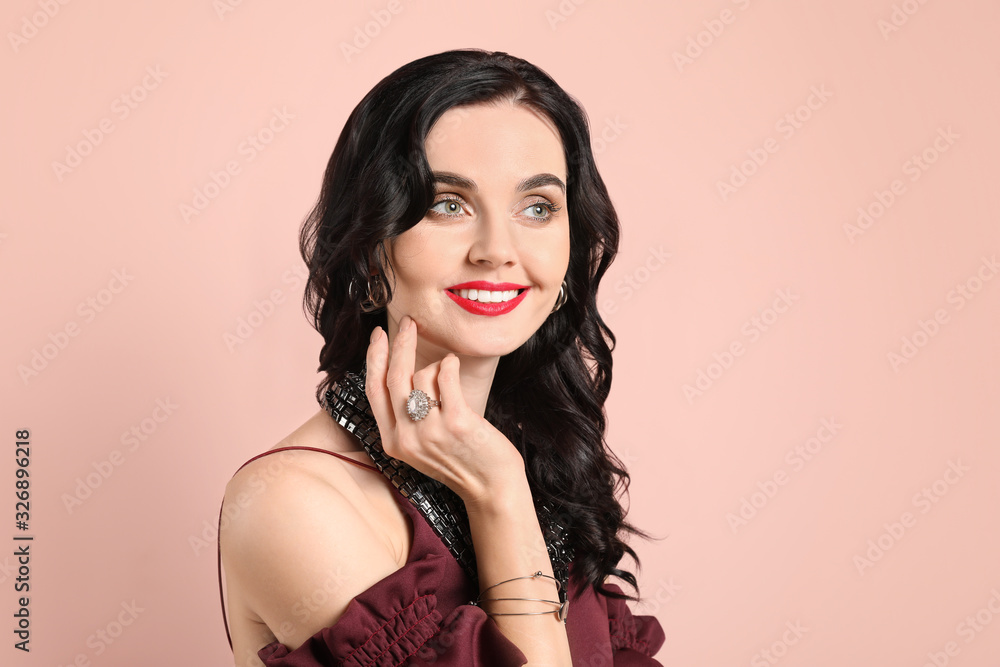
column 302, row 533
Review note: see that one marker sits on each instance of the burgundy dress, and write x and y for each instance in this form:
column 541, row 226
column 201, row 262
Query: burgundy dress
column 420, row 615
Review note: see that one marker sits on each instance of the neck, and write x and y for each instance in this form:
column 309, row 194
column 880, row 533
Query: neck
column 476, row 376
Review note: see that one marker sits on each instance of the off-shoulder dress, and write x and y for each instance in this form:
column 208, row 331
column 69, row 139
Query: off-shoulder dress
column 421, row 615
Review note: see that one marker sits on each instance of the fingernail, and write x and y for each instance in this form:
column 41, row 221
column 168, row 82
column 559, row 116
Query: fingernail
column 405, row 323
column 375, row 333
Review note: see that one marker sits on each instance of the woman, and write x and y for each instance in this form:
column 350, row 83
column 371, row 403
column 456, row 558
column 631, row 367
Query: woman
column 467, row 515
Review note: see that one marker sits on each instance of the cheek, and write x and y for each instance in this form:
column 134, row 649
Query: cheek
column 407, row 256
column 554, row 257
column 420, row 260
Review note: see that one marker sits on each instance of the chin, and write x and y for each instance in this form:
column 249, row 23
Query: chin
column 485, row 339
column 485, row 351
column 498, row 347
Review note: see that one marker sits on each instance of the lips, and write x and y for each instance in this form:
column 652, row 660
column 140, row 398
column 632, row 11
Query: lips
column 499, row 298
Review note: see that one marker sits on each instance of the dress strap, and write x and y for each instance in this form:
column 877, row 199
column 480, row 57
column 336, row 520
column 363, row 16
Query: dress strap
column 218, row 542
column 311, row 449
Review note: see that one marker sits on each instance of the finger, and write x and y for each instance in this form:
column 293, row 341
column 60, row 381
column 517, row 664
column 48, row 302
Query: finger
column 449, row 387
column 426, row 381
column 399, row 374
column 455, row 411
column 376, row 363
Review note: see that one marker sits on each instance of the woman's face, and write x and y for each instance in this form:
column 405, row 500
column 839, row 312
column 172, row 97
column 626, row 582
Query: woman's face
column 498, row 225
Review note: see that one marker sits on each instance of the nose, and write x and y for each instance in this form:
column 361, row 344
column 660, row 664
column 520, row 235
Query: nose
column 493, row 244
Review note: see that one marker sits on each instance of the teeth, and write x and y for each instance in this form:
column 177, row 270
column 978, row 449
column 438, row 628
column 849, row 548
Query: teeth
column 483, row 296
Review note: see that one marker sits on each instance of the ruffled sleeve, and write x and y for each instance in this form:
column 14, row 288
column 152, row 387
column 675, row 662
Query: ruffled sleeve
column 635, row 639
column 604, row 631
column 402, row 620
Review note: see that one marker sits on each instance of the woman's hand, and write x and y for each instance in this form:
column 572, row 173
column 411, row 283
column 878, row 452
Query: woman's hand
column 453, row 444
column 456, row 446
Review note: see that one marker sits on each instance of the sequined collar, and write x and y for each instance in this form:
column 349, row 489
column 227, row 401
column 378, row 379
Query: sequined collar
column 444, row 510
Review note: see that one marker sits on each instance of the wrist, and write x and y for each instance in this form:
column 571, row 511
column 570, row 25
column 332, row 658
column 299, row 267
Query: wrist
column 500, row 499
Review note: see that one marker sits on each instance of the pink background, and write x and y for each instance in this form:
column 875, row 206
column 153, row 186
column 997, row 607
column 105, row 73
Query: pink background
column 886, row 80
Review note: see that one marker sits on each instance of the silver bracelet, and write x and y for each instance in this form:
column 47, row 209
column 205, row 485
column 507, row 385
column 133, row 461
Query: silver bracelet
column 530, row 576
column 560, row 612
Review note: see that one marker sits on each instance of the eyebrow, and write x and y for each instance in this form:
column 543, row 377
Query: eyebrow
column 536, row 181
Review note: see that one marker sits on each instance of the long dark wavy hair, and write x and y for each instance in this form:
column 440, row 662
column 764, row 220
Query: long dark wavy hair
column 548, row 395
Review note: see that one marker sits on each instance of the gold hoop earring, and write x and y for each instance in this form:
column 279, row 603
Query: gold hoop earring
column 377, row 296
column 561, row 299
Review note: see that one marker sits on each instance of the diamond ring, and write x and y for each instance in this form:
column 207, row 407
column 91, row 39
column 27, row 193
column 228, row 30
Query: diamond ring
column 418, row 405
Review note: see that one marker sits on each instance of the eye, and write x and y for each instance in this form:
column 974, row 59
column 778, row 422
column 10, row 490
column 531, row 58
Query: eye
column 449, row 208
column 541, row 210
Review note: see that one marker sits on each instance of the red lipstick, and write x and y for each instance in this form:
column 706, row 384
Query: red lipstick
column 489, row 309
column 489, row 287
